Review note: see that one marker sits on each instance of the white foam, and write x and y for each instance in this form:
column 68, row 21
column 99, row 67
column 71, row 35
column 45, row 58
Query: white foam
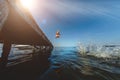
column 100, row 51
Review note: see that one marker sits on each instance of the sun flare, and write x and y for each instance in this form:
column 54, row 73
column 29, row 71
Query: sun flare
column 27, row 3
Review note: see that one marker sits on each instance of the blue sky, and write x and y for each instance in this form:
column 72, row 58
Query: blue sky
column 96, row 21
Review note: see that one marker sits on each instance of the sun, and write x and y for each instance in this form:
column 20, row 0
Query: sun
column 27, row 3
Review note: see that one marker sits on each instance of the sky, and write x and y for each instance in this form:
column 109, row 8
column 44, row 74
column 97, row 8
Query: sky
column 85, row 21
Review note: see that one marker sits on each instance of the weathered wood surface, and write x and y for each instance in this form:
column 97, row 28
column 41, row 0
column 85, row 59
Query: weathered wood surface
column 18, row 25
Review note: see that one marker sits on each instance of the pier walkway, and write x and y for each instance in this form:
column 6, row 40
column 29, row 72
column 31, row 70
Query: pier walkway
column 17, row 26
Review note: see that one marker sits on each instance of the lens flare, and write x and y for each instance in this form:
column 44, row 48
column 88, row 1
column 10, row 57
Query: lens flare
column 27, row 3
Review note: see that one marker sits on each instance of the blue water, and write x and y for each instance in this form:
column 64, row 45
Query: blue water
column 67, row 64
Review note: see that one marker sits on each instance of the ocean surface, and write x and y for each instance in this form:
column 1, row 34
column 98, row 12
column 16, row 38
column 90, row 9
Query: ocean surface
column 66, row 63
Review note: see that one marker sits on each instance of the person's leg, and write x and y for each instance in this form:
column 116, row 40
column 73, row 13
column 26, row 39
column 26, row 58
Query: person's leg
column 5, row 53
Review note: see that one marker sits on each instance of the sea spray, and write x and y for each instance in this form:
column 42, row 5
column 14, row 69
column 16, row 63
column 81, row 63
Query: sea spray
column 103, row 51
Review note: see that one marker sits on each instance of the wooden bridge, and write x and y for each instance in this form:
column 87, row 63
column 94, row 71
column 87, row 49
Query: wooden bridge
column 17, row 26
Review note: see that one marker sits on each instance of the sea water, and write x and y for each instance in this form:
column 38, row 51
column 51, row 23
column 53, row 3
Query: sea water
column 68, row 64
column 18, row 54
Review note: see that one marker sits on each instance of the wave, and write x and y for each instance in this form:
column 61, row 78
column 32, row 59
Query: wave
column 103, row 51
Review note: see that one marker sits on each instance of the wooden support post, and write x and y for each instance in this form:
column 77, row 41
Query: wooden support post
column 48, row 49
column 33, row 51
column 5, row 53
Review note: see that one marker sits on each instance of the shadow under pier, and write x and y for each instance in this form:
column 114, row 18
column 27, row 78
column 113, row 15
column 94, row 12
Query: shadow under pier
column 29, row 67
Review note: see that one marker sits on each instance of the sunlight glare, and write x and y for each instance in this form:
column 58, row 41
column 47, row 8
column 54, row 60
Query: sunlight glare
column 27, row 3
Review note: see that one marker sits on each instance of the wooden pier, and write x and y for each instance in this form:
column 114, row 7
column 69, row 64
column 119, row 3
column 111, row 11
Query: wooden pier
column 17, row 26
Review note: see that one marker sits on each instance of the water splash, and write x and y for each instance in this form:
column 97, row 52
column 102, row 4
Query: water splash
column 100, row 51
